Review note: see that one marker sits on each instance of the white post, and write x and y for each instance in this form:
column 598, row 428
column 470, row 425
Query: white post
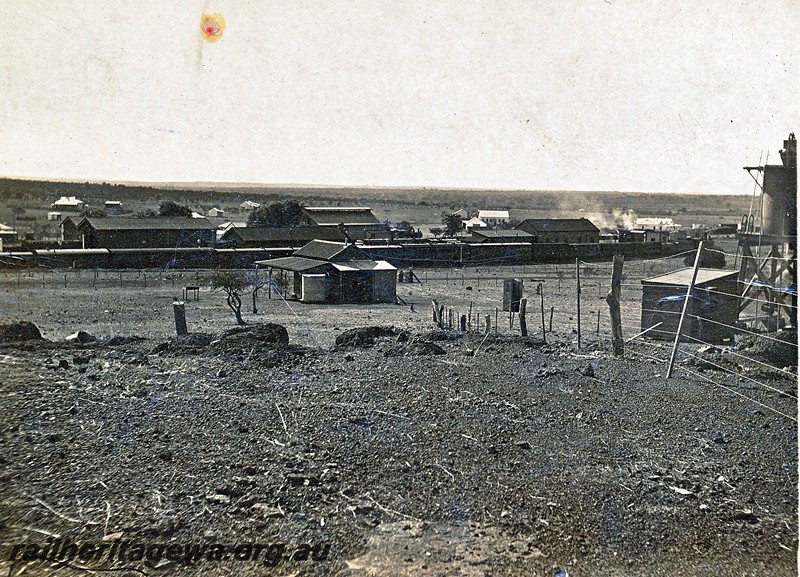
column 685, row 308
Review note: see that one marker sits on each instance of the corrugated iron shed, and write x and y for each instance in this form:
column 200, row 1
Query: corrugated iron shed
column 683, row 277
column 712, row 311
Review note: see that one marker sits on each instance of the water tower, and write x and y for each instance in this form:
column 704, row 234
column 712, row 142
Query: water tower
column 768, row 245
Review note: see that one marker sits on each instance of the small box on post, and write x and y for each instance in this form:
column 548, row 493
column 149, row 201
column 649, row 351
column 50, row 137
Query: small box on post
column 512, row 294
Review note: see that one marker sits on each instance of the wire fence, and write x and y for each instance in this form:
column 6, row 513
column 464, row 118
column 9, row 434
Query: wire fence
column 553, row 303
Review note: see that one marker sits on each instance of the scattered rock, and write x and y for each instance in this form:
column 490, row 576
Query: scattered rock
column 118, row 340
column 747, row 516
column 779, row 350
column 267, row 511
column 218, row 498
column 193, row 343
column 81, row 337
column 588, row 370
column 415, row 348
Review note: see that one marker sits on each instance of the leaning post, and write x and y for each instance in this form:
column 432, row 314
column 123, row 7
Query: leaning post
column 685, row 308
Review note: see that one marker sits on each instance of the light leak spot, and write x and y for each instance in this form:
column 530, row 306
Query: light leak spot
column 212, row 26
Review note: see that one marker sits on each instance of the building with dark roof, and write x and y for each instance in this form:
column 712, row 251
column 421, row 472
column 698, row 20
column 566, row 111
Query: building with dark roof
column 488, row 235
column 163, row 232
column 561, row 230
column 335, row 272
column 357, row 222
column 271, row 237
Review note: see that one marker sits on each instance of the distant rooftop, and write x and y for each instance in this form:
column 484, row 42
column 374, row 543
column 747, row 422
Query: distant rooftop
column 333, row 215
column 558, row 225
column 683, row 276
column 492, row 214
column 163, row 223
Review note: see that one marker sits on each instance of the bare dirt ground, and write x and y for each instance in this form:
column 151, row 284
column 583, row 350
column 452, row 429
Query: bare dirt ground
column 427, row 452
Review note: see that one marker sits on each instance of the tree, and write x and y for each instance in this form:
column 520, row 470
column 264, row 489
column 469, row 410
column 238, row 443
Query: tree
column 452, row 223
column 234, row 284
column 436, row 231
column 277, row 214
column 172, row 208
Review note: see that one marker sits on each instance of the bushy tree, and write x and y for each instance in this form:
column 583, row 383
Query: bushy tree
column 172, row 208
column 452, row 223
column 277, row 214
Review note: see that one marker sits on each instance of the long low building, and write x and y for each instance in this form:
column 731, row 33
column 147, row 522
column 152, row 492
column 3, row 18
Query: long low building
column 561, row 230
column 262, row 236
column 162, row 232
column 334, row 272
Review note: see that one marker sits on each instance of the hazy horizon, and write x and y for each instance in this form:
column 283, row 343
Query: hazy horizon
column 389, row 187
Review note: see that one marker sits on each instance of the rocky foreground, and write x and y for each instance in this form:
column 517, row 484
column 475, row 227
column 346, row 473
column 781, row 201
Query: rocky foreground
column 389, row 453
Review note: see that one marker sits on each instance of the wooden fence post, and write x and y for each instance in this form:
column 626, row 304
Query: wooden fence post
column 578, row 297
column 523, row 324
column 463, row 323
column 541, row 295
column 613, row 300
column 179, row 310
column 488, row 324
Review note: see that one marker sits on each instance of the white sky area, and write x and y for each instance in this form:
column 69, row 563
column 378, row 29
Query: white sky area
column 560, row 94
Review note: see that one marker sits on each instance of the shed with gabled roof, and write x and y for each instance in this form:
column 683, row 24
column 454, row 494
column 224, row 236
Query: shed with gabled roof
column 713, row 309
column 561, row 230
column 336, row 272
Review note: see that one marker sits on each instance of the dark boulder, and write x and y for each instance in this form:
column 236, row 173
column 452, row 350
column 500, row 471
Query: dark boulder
column 269, row 333
column 363, row 336
column 19, row 331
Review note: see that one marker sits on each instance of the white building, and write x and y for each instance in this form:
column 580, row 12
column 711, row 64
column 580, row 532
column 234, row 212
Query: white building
column 661, row 224
column 68, row 203
column 215, row 212
column 493, row 217
column 113, row 206
column 249, row 205
column 473, row 222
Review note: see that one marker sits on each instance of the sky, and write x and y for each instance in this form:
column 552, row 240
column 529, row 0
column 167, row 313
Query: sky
column 629, row 95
